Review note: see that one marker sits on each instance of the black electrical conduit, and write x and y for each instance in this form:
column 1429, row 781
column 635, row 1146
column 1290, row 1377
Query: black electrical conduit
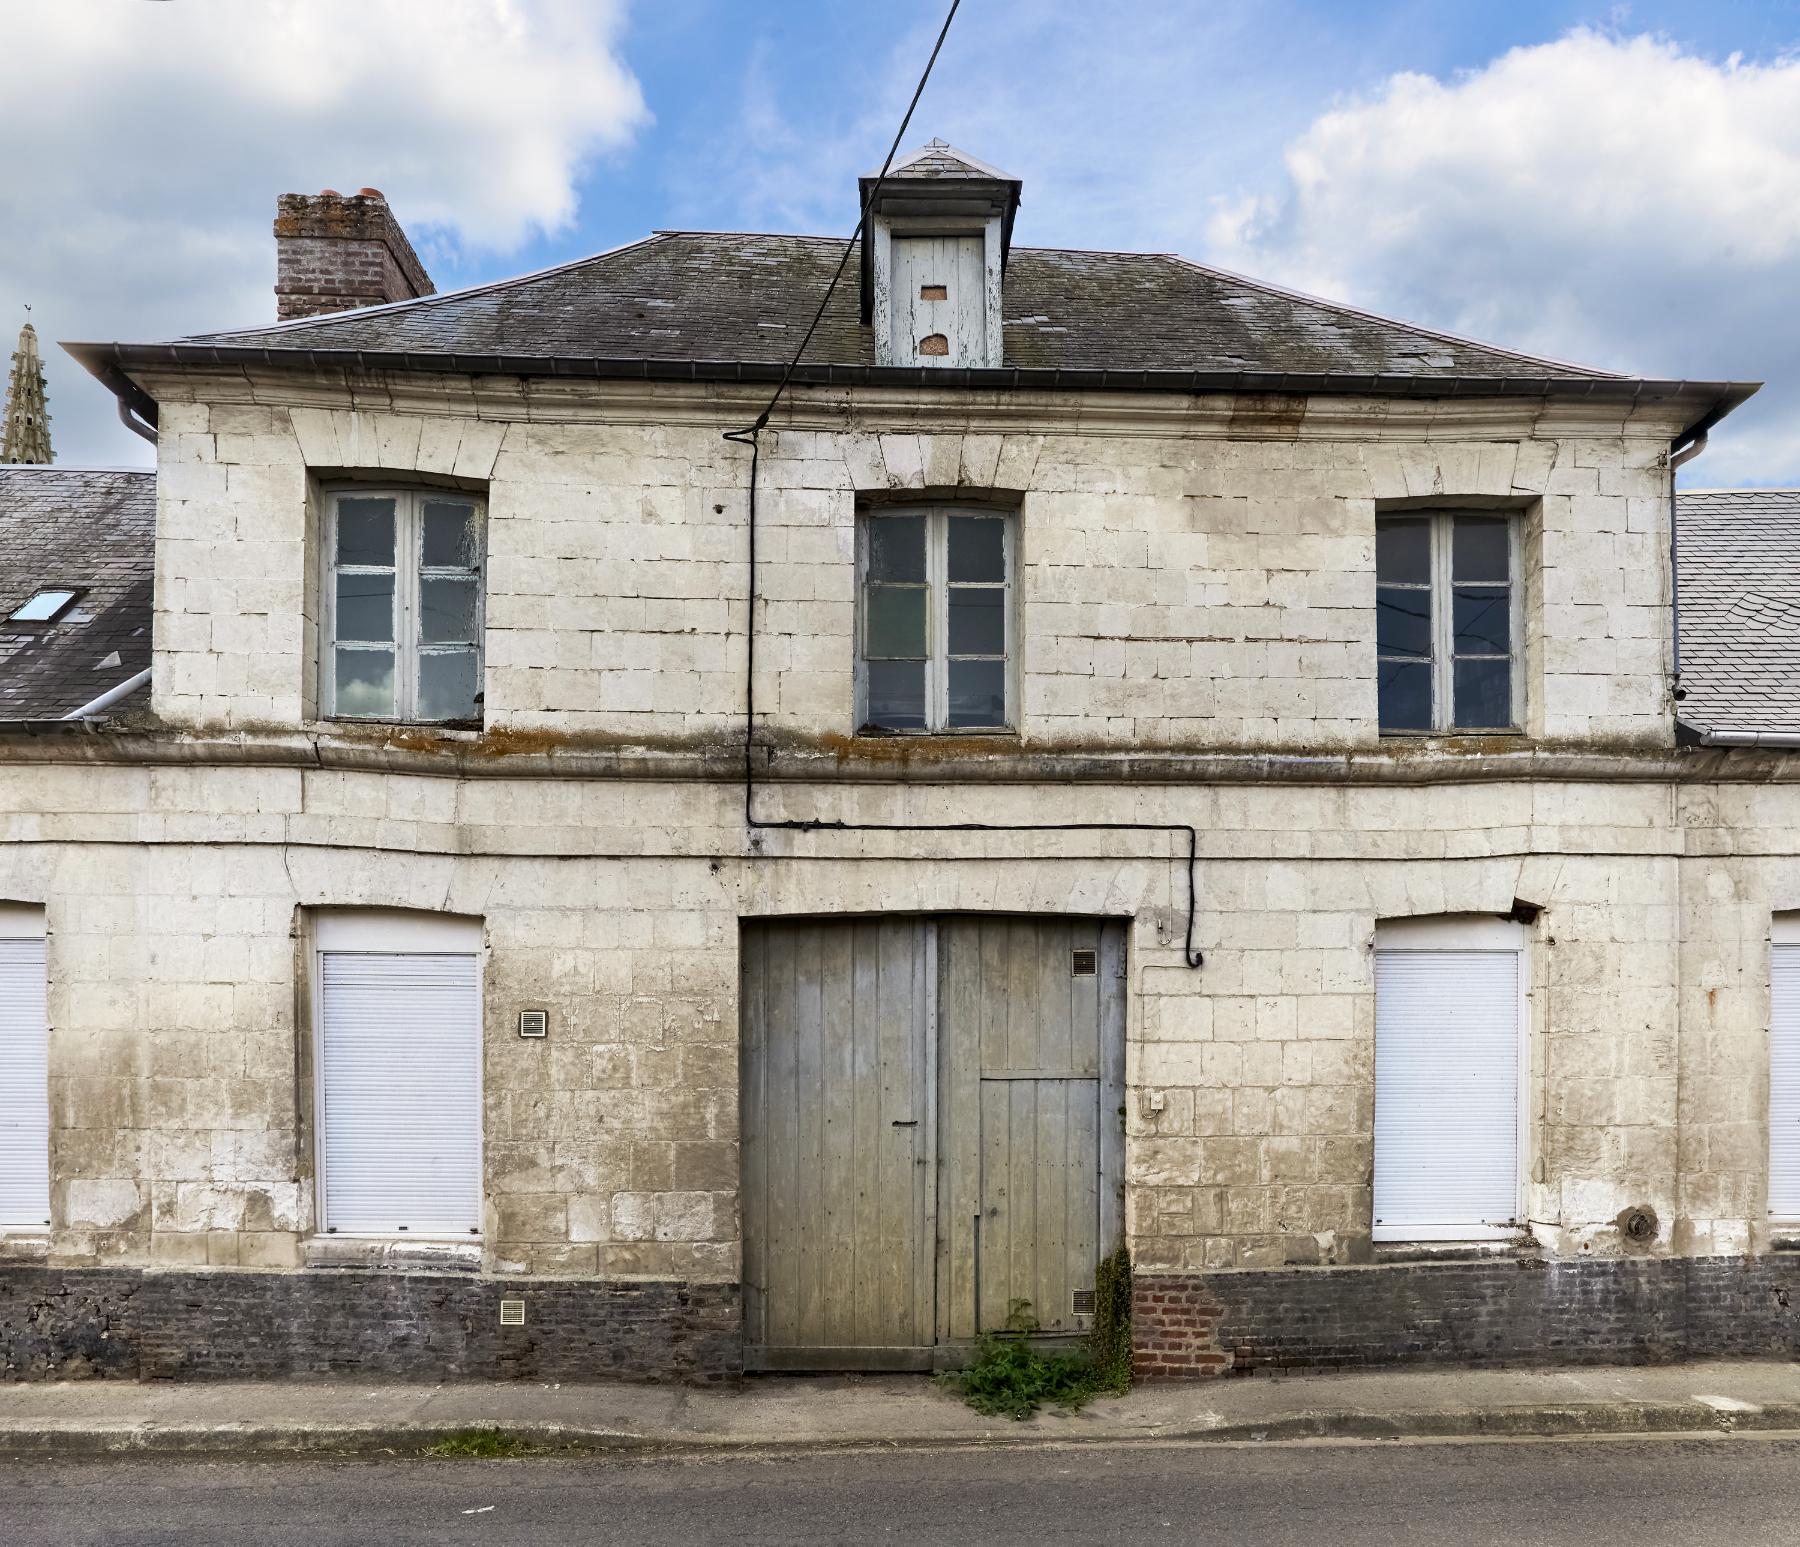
column 751, row 436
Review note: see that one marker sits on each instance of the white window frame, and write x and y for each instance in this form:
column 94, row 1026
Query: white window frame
column 937, row 587
column 1442, row 588
column 381, row 931
column 27, row 921
column 1464, row 933
column 409, row 529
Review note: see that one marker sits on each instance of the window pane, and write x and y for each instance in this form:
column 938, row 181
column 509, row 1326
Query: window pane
column 896, row 622
column 1403, row 550
column 897, row 548
column 448, row 683
column 897, row 695
column 1481, row 550
column 1403, row 622
column 1405, row 696
column 977, row 548
column 446, row 612
column 365, row 682
column 365, row 606
column 1483, row 620
column 365, row 531
column 1483, row 694
column 42, row 607
column 977, row 693
column 978, row 620
column 449, row 537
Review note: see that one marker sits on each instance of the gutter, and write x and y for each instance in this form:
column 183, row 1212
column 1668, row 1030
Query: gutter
column 105, row 359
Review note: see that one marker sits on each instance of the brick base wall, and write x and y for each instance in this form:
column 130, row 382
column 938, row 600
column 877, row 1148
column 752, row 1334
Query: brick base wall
column 225, row 1325
column 1175, row 1329
column 1520, row 1312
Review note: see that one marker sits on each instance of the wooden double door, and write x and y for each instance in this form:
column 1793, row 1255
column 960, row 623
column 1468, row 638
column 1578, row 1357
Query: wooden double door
column 932, row 1132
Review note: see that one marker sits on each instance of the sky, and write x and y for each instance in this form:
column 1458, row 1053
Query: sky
column 1617, row 185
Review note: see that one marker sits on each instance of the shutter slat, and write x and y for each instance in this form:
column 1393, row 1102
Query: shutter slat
column 1784, row 1081
column 24, row 1087
column 1446, row 1092
column 401, row 1044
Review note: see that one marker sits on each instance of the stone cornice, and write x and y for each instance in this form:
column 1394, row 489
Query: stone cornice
column 529, row 755
column 1656, row 412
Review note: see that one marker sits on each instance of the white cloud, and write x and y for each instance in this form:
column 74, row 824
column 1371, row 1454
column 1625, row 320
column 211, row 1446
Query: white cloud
column 1608, row 199
column 147, row 143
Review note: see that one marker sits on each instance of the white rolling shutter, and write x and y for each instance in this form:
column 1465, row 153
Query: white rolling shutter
column 24, row 1087
column 1784, row 1081
column 1447, row 1040
column 400, row 1044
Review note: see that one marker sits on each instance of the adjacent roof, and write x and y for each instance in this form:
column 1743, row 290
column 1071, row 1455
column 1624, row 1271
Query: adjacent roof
column 693, row 296
column 1740, row 609
column 93, row 532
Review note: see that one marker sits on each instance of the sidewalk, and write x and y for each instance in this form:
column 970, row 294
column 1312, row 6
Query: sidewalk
column 790, row 1413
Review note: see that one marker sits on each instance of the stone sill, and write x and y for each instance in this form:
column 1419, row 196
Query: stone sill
column 1454, row 1251
column 24, row 1245
column 388, row 1252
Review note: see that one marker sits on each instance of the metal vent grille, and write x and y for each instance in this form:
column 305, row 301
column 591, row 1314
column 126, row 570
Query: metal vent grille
column 1084, row 964
column 1081, row 1302
column 512, row 1313
column 534, row 1023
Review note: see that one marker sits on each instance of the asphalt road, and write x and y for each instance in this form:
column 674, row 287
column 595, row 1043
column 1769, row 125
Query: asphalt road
column 1742, row 1491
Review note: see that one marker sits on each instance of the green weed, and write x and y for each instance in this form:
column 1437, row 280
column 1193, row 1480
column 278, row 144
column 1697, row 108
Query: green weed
column 482, row 1445
column 1010, row 1378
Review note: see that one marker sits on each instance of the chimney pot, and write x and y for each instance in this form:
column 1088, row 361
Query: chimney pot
column 334, row 253
column 372, row 193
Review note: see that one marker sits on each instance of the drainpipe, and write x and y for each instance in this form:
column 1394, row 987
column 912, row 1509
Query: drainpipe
column 111, row 696
column 1678, row 455
column 1729, row 738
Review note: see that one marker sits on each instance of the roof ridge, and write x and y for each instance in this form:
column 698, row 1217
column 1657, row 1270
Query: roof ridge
column 426, row 300
column 1396, row 322
column 72, row 467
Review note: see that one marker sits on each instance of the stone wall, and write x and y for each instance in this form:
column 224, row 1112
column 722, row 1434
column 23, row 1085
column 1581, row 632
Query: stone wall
column 1193, row 576
column 176, row 897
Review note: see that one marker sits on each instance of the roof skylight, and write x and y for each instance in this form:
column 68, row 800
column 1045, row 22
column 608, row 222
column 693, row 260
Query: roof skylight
column 45, row 606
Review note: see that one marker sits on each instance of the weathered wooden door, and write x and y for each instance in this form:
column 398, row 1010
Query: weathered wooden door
column 1030, row 1010
column 930, row 1132
column 837, row 1171
column 939, row 301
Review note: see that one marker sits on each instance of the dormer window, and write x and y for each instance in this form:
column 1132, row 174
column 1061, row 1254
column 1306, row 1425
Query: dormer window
column 935, row 258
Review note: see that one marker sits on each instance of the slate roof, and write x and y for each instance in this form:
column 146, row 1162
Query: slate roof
column 695, row 296
column 940, row 159
column 89, row 531
column 1740, row 609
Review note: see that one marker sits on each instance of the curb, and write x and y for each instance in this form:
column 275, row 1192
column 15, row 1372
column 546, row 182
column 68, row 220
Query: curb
column 1562, row 1420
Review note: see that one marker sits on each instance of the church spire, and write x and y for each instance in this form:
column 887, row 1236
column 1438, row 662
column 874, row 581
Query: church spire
column 25, row 431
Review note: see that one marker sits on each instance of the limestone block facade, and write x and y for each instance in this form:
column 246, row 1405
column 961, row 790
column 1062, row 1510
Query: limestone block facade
column 1197, row 648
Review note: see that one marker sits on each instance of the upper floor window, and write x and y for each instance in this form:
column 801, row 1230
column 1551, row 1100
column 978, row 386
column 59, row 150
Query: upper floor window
column 402, row 606
column 935, row 631
column 1447, row 621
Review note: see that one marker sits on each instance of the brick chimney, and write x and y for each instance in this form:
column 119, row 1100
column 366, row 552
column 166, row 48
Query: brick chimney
column 336, row 251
